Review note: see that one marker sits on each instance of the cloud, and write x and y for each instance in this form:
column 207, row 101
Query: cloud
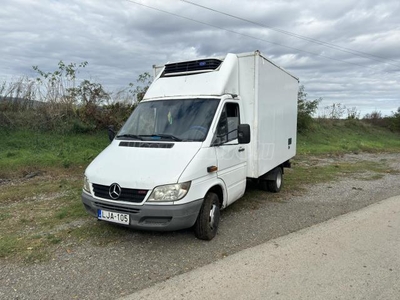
column 121, row 40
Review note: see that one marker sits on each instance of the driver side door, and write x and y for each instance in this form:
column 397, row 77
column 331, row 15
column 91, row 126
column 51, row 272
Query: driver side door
column 230, row 155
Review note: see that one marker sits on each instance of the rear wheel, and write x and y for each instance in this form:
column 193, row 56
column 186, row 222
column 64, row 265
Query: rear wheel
column 207, row 222
column 275, row 184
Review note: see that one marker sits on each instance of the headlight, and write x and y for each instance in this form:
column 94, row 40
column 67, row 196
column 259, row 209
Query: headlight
column 170, row 192
column 86, row 185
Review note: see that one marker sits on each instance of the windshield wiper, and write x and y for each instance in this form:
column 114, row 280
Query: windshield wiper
column 131, row 136
column 164, row 135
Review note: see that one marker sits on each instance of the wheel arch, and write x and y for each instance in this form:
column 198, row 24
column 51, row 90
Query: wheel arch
column 270, row 175
column 219, row 191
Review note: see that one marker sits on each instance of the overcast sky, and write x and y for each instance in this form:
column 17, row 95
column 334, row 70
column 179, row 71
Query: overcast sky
column 121, row 39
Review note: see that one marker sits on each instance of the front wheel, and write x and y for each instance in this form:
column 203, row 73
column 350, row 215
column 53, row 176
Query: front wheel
column 207, row 222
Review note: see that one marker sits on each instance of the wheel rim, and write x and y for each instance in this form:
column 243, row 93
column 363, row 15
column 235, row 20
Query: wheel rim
column 212, row 216
column 279, row 180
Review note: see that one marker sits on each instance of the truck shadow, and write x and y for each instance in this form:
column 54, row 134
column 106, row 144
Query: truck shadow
column 253, row 199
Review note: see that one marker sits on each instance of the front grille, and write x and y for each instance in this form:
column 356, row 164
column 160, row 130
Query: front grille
column 128, row 195
column 116, row 208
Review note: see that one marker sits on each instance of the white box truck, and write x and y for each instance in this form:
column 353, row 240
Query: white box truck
column 202, row 129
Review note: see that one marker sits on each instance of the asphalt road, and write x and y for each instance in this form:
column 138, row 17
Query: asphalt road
column 142, row 259
column 354, row 256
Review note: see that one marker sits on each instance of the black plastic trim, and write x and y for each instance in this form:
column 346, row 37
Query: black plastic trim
column 192, row 66
column 146, row 145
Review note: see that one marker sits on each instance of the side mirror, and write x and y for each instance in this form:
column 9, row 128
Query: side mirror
column 244, row 133
column 111, row 133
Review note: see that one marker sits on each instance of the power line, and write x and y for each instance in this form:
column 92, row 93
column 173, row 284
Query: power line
column 302, row 37
column 243, row 34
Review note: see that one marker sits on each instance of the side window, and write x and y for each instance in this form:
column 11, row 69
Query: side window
column 227, row 124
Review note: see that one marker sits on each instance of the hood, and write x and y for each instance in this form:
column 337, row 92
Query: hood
column 141, row 165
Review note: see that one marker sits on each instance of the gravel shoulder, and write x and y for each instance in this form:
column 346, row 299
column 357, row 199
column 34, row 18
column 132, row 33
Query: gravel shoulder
column 141, row 259
column 353, row 256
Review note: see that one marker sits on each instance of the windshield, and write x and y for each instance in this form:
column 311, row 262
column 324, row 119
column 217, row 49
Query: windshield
column 177, row 120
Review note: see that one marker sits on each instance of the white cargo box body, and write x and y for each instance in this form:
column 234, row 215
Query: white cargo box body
column 268, row 96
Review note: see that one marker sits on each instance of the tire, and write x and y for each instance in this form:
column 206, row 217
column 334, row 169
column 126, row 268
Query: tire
column 207, row 222
column 263, row 185
column 275, row 185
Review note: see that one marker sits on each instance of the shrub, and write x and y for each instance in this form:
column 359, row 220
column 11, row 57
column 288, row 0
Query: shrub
column 395, row 120
column 305, row 110
column 391, row 122
column 353, row 113
column 375, row 118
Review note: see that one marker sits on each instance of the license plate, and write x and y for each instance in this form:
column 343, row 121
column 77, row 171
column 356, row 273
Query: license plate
column 113, row 217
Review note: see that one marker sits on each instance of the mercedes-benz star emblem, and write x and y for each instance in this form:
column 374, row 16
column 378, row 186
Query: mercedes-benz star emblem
column 114, row 191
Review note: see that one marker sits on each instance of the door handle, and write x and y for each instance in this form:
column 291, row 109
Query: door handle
column 241, row 149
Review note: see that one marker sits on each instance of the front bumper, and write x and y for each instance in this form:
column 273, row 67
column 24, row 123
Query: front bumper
column 149, row 217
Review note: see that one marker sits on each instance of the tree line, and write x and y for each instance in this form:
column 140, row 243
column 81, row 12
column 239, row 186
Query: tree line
column 57, row 101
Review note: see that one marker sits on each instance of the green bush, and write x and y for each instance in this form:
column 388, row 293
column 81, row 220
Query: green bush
column 305, row 110
column 396, row 120
column 77, row 126
column 390, row 122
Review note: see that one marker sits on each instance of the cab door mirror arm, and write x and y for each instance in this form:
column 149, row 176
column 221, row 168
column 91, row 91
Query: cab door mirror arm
column 111, row 133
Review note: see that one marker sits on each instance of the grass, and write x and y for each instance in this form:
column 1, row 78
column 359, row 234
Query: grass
column 34, row 221
column 344, row 136
column 43, row 212
column 302, row 174
column 23, row 152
